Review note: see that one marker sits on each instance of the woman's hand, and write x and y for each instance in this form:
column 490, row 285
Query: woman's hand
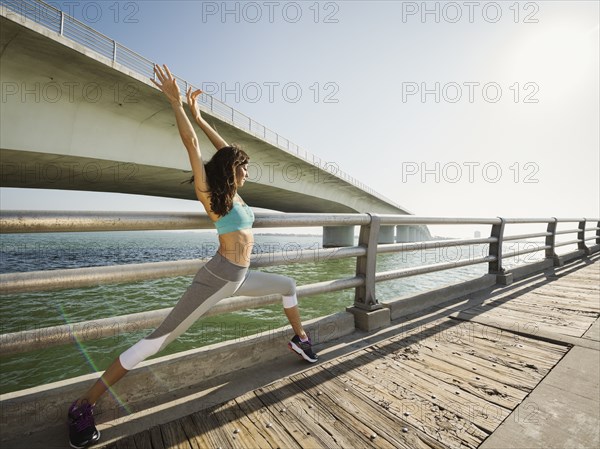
column 191, row 99
column 168, row 84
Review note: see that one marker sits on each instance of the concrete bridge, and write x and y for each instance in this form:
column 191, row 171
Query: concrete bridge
column 79, row 113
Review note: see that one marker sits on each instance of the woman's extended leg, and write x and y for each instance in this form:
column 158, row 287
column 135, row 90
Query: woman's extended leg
column 216, row 280
column 111, row 376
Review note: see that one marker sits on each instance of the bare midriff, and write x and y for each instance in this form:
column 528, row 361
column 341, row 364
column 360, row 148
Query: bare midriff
column 237, row 246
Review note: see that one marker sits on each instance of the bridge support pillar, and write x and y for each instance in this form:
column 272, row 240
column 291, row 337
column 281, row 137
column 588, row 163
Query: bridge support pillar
column 402, row 234
column 334, row 236
column 386, row 234
column 413, row 234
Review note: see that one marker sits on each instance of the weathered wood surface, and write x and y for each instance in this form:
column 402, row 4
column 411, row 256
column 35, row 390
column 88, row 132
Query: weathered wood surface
column 566, row 304
column 445, row 384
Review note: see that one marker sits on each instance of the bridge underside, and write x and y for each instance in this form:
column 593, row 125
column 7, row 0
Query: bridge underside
column 72, row 119
column 26, row 169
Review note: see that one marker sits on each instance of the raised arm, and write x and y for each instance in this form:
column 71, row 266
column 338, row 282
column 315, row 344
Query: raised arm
column 212, row 135
column 168, row 85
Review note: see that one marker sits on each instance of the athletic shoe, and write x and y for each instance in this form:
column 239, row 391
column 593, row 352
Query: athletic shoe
column 82, row 429
column 303, row 349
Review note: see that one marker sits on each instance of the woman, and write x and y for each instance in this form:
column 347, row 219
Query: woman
column 216, row 185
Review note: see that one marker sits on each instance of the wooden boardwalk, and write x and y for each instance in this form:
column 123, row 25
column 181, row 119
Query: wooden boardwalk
column 448, row 383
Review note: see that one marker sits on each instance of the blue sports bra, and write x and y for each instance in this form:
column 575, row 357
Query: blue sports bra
column 239, row 217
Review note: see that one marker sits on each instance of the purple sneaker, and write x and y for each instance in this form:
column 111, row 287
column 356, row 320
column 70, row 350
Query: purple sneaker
column 82, row 429
column 303, row 349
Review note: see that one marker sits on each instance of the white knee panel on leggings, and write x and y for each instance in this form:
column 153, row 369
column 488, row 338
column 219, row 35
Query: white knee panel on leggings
column 290, row 301
column 140, row 351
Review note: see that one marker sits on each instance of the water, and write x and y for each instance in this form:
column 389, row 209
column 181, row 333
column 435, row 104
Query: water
column 30, row 252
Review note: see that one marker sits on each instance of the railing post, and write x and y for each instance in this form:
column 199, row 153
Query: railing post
column 598, row 233
column 369, row 314
column 366, row 266
column 114, row 51
column 551, row 242
column 581, row 237
column 495, row 266
column 62, row 23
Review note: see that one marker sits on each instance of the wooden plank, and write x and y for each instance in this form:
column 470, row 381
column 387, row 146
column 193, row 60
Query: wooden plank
column 362, row 414
column 542, row 300
column 549, row 310
column 537, row 328
column 302, row 407
column 244, row 431
column 494, row 344
column 564, row 326
column 194, row 434
column 578, row 290
column 532, row 315
column 205, row 429
column 125, row 443
column 479, row 382
column 173, row 436
column 561, row 296
column 143, row 440
column 282, row 406
column 436, row 418
column 589, row 282
column 422, row 386
column 156, row 438
column 546, row 354
column 542, row 312
column 276, row 434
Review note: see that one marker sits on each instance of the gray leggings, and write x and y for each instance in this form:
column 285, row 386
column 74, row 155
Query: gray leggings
column 216, row 280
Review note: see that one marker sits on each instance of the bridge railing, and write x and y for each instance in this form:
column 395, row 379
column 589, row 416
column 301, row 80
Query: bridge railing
column 64, row 25
column 363, row 282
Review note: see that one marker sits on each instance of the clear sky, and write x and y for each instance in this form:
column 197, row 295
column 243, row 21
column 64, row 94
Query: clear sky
column 448, row 108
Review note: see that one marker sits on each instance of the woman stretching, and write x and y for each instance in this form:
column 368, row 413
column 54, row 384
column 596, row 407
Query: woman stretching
column 216, row 185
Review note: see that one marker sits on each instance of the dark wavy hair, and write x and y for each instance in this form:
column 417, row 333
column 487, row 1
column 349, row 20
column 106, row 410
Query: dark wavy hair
column 221, row 177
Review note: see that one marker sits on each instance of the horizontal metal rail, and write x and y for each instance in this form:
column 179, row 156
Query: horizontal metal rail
column 570, row 242
column 431, row 244
column 424, row 269
column 413, row 219
column 568, row 231
column 526, row 251
column 71, row 278
column 526, row 236
column 11, row 283
column 12, row 222
column 67, row 221
column 31, row 340
column 531, row 220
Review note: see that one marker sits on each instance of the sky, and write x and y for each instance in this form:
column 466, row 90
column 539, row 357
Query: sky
column 472, row 109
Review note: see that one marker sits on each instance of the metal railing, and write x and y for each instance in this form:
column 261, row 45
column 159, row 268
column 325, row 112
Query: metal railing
column 363, row 282
column 64, row 25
